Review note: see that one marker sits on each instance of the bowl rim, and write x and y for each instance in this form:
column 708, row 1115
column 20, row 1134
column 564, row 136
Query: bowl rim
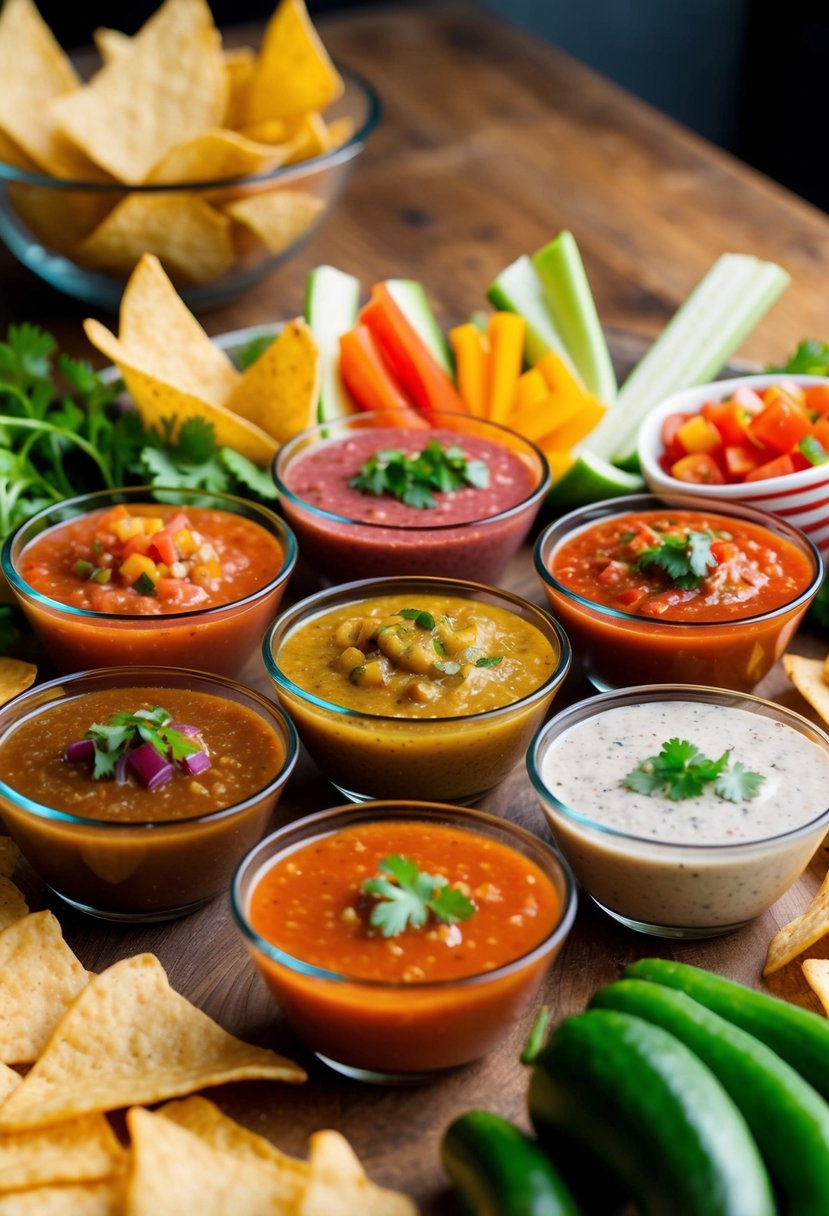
column 363, row 589
column 362, row 422
column 591, row 707
column 155, row 676
column 649, row 442
column 625, row 504
column 285, row 173
column 276, row 526
column 543, row 854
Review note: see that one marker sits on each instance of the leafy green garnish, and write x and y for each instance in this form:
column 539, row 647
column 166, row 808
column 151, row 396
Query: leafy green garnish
column 415, row 479
column 685, row 559
column 681, row 771
column 424, row 620
column 810, row 359
column 490, row 662
column 124, row 731
column 409, row 895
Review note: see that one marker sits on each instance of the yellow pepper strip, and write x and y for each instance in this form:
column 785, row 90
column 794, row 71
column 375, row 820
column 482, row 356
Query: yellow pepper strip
column 125, row 529
column 699, row 435
column 530, row 389
column 539, row 419
column 559, row 377
column 574, row 425
column 471, row 358
column 136, row 565
column 151, row 524
column 506, row 354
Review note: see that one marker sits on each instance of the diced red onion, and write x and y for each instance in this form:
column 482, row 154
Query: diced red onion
column 80, row 752
column 184, row 728
column 150, row 767
column 121, row 768
column 196, row 763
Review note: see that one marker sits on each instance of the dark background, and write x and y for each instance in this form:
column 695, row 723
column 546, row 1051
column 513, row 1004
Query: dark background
column 750, row 75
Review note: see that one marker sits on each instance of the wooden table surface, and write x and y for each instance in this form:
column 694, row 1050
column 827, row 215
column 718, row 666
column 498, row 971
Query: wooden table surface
column 490, row 144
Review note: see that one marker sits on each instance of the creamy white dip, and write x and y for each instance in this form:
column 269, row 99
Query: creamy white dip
column 699, row 863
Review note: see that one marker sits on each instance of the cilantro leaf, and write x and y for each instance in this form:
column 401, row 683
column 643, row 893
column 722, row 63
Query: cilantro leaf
column 248, row 474
column 125, row 731
column 415, row 479
column 424, row 620
column 681, row 771
column 811, row 358
column 738, row 783
column 408, row 896
column 685, row 559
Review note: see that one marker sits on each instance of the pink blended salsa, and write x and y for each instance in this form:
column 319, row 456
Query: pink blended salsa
column 402, row 539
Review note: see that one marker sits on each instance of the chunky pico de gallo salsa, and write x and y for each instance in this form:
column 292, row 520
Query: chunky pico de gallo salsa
column 680, row 565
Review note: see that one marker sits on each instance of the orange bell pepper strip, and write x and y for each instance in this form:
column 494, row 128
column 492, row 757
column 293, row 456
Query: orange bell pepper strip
column 505, row 331
column 412, row 364
column 471, row 366
column 370, row 383
column 530, row 389
column 781, row 425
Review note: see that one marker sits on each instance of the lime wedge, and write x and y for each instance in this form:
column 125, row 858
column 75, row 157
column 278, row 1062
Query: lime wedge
column 590, row 479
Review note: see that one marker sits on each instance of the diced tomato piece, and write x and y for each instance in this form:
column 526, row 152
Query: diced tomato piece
column 177, row 523
column 700, row 468
column 781, row 425
column 177, row 591
column 136, row 544
column 820, row 430
column 816, row 397
column 741, row 458
column 698, row 435
column 162, row 547
column 779, row 467
column 724, row 551
column 612, row 573
column 670, row 426
column 630, row 596
column 731, row 420
column 799, row 461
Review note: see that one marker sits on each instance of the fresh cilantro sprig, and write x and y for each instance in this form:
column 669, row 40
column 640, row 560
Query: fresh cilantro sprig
column 409, row 895
column 681, row 771
column 685, row 559
column 124, row 731
column 811, row 358
column 416, row 479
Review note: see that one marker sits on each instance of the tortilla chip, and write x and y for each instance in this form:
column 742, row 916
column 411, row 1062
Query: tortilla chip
column 158, row 329
column 279, row 392
column 807, row 677
column 81, row 1150
column 801, row 933
column 310, row 138
column 12, row 908
column 239, row 61
column 191, row 238
column 111, row 44
column 12, row 154
column 276, row 217
column 169, row 85
column 9, row 1080
column 816, row 971
column 81, row 1199
column 60, row 219
column 215, row 155
column 129, row 1038
column 272, row 131
column 293, row 72
column 339, row 1186
column 175, row 1173
column 156, row 399
column 9, row 854
column 39, row 979
column 34, row 72
column 15, row 677
column 204, row 1119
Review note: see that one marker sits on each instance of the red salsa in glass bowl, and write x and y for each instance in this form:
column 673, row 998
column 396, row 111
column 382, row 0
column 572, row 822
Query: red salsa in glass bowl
column 666, row 589
column 453, row 497
column 130, row 576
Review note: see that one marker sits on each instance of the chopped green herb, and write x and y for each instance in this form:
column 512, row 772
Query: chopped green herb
column 101, row 575
column 439, row 647
column 409, row 895
column 685, row 559
column 491, row 662
column 424, row 620
column 415, row 479
column 125, row 730
column 356, row 674
column 144, row 585
column 681, row 771
column 810, row 359
column 82, row 569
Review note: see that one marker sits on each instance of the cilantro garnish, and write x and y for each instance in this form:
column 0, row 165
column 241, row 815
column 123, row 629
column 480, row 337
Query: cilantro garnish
column 685, row 559
column 811, row 358
column 125, row 731
column 682, row 771
column 424, row 620
column 491, row 662
column 408, row 896
column 415, row 479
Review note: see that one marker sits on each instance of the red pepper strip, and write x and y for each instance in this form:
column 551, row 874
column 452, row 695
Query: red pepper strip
column 412, row 363
column 367, row 378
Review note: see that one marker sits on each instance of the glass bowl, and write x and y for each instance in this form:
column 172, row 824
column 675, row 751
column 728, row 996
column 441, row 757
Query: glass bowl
column 139, row 870
column 387, row 538
column 218, row 639
column 44, row 220
column 618, row 648
column 654, row 878
column 401, row 1032
column 377, row 755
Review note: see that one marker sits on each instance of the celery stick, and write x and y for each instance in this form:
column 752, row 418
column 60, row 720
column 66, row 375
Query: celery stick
column 410, row 297
column 518, row 289
column 717, row 316
column 331, row 301
column 570, row 301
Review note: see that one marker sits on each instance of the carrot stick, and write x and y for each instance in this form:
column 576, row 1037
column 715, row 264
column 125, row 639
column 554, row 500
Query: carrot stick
column 471, row 359
column 506, row 353
column 370, row 383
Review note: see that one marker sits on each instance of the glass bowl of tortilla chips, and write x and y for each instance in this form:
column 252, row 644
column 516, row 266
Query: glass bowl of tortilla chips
column 226, row 162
